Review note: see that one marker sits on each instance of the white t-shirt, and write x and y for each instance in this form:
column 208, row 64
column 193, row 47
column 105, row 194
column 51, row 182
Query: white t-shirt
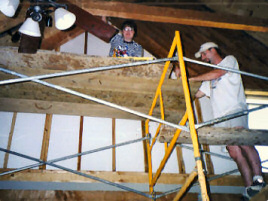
column 226, row 92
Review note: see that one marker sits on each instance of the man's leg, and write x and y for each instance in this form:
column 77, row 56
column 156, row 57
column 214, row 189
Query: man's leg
column 236, row 154
column 253, row 159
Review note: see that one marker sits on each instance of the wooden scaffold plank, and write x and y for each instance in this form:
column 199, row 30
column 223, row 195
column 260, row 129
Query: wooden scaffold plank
column 132, row 87
column 218, row 136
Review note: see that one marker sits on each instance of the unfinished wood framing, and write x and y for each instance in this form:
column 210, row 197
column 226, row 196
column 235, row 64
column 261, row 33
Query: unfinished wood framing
column 54, row 38
column 128, row 87
column 10, row 138
column 144, row 147
column 81, row 128
column 218, row 136
column 46, row 137
column 132, row 87
column 180, row 159
column 113, row 142
column 171, row 15
column 120, row 177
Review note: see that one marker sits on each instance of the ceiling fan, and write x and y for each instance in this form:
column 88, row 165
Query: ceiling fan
column 66, row 15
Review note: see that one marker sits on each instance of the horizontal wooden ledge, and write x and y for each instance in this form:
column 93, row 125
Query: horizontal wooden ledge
column 80, row 109
column 218, row 136
column 120, row 177
column 46, row 61
column 132, row 88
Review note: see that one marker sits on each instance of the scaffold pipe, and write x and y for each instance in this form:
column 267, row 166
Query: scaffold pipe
column 74, row 155
column 78, row 173
column 225, row 68
column 230, row 116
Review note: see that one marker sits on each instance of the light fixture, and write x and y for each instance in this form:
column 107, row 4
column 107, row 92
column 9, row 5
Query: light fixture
column 40, row 10
column 64, row 19
column 30, row 28
column 9, row 7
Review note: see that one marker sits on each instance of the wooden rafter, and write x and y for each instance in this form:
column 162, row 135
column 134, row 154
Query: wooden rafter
column 171, row 15
column 150, row 13
column 53, row 38
column 7, row 23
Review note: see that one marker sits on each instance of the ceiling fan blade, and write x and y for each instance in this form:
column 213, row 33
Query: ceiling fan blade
column 90, row 23
column 29, row 44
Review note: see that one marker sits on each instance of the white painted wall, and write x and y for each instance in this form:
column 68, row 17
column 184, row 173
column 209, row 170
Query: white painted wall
column 27, row 138
column 5, row 121
column 259, row 120
column 130, row 157
column 97, row 133
column 64, row 138
column 158, row 152
column 95, row 46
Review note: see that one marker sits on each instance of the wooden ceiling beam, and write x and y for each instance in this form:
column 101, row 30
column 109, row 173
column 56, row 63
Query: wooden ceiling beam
column 7, row 23
column 90, row 23
column 53, row 38
column 171, row 15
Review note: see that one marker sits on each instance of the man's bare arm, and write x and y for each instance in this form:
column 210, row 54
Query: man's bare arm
column 199, row 94
column 214, row 74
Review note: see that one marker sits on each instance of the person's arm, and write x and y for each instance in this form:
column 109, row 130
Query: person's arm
column 177, row 70
column 199, row 94
column 214, row 74
column 104, row 19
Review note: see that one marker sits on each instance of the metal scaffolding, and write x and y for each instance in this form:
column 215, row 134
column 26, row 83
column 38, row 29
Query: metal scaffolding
column 150, row 141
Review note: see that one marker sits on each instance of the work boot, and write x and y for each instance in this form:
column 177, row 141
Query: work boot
column 254, row 189
column 258, row 184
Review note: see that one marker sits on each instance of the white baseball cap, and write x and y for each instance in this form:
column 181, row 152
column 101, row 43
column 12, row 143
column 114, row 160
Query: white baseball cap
column 205, row 47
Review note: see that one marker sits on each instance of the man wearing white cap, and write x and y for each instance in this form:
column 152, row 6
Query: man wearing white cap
column 226, row 93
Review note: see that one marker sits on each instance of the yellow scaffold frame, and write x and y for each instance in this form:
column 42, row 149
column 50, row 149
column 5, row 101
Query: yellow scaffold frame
column 189, row 115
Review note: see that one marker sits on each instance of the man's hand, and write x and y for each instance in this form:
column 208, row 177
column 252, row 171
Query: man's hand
column 177, row 71
column 199, row 94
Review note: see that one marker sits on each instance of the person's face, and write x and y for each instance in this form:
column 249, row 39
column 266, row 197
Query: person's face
column 128, row 33
column 207, row 55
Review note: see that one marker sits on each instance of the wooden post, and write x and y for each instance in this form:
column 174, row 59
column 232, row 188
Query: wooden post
column 45, row 143
column 113, row 141
column 10, row 138
column 143, row 133
column 181, row 164
column 80, row 142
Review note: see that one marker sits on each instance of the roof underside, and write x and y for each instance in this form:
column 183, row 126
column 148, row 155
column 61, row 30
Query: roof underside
column 226, row 23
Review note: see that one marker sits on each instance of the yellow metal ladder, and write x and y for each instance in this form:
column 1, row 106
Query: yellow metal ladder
column 176, row 44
